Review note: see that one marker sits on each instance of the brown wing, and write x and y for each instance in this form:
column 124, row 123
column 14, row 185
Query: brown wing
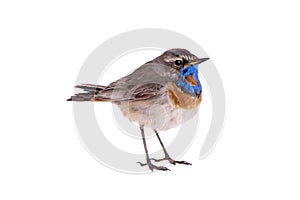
column 133, row 94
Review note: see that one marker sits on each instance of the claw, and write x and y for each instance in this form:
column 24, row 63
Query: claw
column 171, row 161
column 182, row 162
column 151, row 166
column 142, row 164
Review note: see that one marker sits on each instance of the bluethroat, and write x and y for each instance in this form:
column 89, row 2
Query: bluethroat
column 160, row 95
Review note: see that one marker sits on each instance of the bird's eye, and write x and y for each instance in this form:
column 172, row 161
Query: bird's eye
column 178, row 62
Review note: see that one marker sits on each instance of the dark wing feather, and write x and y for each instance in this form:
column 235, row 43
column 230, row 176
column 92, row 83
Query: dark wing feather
column 137, row 93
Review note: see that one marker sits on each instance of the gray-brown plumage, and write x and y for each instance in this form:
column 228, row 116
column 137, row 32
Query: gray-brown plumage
column 169, row 81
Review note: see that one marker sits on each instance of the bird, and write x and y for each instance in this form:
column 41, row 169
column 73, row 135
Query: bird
column 161, row 94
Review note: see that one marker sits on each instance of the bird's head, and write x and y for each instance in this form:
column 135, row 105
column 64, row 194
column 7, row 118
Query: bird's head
column 178, row 59
column 185, row 64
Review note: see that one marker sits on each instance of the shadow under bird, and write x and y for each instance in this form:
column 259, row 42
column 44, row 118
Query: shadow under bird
column 169, row 82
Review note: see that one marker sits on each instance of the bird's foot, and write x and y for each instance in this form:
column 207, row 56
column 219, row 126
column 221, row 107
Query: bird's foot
column 174, row 162
column 151, row 166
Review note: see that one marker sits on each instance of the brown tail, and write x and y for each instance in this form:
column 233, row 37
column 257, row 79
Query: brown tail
column 90, row 91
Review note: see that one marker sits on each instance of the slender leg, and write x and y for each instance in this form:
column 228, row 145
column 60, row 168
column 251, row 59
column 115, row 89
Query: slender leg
column 165, row 151
column 145, row 146
column 150, row 165
column 167, row 157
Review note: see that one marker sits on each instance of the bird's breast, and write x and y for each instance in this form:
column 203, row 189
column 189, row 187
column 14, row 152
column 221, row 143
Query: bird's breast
column 181, row 99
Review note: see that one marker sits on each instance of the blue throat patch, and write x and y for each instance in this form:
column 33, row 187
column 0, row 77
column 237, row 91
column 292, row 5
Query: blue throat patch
column 186, row 86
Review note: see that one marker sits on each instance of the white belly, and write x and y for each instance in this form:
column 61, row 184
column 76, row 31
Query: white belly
column 157, row 113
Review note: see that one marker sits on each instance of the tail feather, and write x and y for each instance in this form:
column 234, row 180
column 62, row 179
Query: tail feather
column 90, row 91
column 90, row 87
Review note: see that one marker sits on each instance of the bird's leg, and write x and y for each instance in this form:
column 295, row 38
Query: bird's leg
column 167, row 157
column 150, row 165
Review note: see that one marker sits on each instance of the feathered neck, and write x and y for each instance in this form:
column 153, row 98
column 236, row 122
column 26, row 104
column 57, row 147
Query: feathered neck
column 189, row 82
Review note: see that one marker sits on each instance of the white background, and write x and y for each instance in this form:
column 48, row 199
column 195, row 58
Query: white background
column 255, row 46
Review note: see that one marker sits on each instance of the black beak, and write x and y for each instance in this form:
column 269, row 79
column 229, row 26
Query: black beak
column 197, row 61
